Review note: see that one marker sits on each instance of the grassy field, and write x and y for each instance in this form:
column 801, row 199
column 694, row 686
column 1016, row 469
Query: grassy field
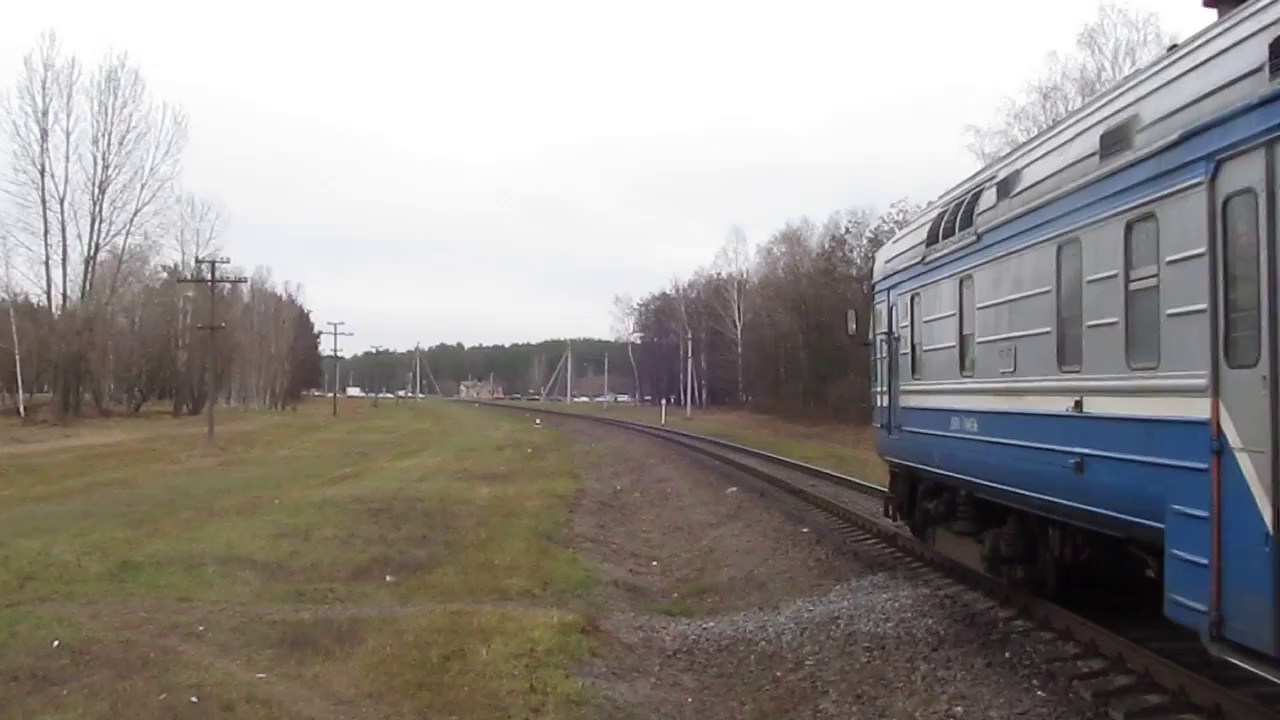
column 403, row 561
column 845, row 448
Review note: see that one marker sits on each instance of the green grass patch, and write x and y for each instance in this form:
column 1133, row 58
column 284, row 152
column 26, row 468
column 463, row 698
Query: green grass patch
column 406, row 558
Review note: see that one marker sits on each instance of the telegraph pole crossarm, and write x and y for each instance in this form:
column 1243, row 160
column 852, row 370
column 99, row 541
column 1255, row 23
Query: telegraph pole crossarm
column 337, row 358
column 213, row 281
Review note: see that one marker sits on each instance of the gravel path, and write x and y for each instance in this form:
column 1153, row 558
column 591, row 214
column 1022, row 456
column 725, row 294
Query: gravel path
column 720, row 599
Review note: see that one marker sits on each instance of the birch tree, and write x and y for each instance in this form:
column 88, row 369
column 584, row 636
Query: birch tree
column 733, row 263
column 130, row 166
column 624, row 329
column 92, row 162
column 31, row 127
column 97, row 236
column 1117, row 42
column 194, row 225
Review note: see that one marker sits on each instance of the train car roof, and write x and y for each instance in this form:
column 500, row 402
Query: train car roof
column 1208, row 73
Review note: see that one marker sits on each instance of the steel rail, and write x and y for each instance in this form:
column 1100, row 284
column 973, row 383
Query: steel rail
column 1174, row 678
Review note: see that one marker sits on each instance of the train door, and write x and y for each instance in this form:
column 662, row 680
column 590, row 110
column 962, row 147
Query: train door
column 893, row 366
column 1243, row 596
column 879, row 362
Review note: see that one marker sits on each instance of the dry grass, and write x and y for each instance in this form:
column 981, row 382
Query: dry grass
column 844, row 448
column 397, row 562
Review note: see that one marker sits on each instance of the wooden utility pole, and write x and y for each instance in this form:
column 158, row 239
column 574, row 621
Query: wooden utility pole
column 337, row 359
column 213, row 281
column 606, row 381
column 373, row 374
column 417, row 371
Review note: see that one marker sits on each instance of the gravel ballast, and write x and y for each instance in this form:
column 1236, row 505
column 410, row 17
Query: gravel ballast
column 719, row 599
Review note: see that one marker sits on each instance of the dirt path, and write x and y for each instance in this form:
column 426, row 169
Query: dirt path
column 719, row 602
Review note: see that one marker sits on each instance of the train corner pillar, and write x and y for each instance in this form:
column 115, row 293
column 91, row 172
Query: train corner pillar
column 1241, row 602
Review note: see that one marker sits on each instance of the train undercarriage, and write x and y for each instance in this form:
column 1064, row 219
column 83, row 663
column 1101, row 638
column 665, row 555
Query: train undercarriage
column 1045, row 555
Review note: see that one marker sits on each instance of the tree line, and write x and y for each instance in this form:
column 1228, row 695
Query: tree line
column 766, row 325
column 97, row 235
column 519, row 368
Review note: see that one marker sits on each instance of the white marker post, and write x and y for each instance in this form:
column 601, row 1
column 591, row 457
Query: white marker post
column 664, row 412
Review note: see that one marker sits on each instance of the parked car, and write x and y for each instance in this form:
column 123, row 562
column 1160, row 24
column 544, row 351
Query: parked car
column 581, row 399
column 622, row 398
column 514, row 397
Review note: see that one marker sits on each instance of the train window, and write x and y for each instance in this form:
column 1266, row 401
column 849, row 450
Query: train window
column 949, row 224
column 1273, row 59
column 935, row 230
column 1142, row 293
column 917, row 356
column 877, row 327
column 1008, row 184
column 1241, row 327
column 967, row 210
column 1070, row 326
column 966, row 326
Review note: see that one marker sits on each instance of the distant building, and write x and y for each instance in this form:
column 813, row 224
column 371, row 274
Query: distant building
column 479, row 390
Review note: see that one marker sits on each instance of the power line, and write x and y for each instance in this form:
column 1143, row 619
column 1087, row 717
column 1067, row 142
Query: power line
column 213, row 281
column 337, row 374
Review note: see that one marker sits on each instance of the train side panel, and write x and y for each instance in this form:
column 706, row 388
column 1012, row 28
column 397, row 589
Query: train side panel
column 1082, row 362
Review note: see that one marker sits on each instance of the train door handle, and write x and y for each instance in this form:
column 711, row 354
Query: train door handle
column 1077, row 465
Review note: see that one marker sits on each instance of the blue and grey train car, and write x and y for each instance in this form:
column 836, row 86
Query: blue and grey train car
column 1075, row 349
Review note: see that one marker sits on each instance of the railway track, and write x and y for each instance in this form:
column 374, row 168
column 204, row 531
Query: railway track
column 1151, row 669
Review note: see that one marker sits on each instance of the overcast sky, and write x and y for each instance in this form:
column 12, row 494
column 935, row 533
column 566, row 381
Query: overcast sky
column 497, row 171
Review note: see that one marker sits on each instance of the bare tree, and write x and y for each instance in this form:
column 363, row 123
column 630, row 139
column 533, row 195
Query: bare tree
column 8, row 295
column 1118, row 41
column 733, row 263
column 624, row 329
column 682, row 295
column 131, row 163
column 196, row 224
column 68, row 128
column 32, row 125
column 194, row 227
column 97, row 236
